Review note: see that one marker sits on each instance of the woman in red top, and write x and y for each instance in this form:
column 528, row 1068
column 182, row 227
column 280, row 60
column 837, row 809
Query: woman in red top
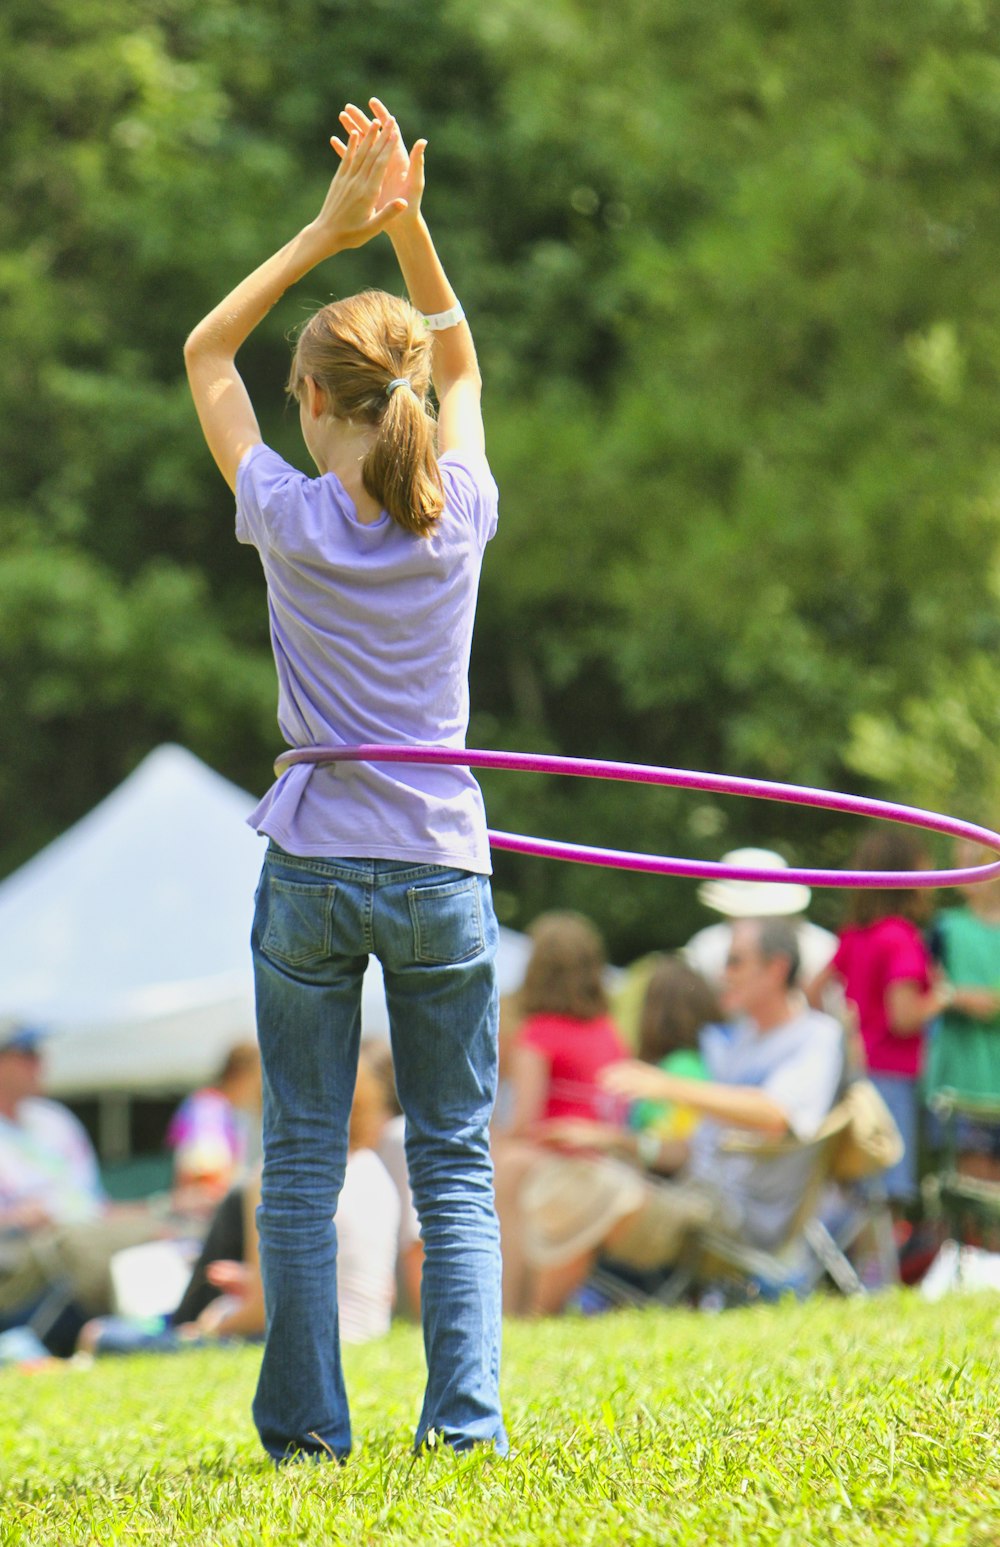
column 889, row 980
column 566, row 1036
column 564, row 1040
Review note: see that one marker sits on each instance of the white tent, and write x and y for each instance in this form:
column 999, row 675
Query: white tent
column 128, row 937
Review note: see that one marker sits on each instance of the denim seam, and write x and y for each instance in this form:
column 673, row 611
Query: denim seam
column 420, row 873
column 340, row 871
column 361, row 871
column 368, row 931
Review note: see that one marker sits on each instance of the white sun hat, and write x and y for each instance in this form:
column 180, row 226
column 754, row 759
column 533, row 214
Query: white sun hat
column 754, row 899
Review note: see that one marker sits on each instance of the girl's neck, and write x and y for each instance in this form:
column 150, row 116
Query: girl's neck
column 341, row 451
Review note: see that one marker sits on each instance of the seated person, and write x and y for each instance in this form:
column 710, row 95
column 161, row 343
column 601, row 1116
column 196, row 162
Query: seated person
column 566, row 1035
column 777, row 1071
column 565, row 1038
column 57, row 1228
column 678, row 1009
column 225, row 1298
column 215, row 1132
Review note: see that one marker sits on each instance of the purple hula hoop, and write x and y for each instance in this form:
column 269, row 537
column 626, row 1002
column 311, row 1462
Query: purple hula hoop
column 685, row 779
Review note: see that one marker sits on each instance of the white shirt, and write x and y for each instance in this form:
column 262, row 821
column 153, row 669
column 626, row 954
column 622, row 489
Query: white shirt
column 47, row 1158
column 800, row 1065
column 367, row 1231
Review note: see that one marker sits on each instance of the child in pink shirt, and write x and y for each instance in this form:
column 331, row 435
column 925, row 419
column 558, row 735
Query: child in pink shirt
column 888, row 979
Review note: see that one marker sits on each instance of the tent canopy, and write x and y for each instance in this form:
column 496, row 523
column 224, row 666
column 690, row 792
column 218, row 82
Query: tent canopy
column 128, row 937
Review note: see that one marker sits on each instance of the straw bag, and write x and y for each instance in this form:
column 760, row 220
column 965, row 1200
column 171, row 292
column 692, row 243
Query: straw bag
column 871, row 1142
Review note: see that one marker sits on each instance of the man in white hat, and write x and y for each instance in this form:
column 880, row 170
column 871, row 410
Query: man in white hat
column 708, row 950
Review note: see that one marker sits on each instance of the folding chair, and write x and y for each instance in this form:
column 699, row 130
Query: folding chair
column 740, row 1271
column 51, row 1310
column 948, row 1192
column 829, row 1223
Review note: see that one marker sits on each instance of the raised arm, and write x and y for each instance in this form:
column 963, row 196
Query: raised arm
column 454, row 367
column 352, row 213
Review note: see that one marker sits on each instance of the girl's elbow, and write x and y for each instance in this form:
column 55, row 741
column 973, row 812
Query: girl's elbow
column 197, row 345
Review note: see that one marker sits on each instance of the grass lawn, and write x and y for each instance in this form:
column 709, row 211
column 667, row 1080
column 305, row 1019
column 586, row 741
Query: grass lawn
column 836, row 1421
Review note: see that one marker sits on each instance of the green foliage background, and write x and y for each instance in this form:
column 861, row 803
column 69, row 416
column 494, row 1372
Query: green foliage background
column 733, row 272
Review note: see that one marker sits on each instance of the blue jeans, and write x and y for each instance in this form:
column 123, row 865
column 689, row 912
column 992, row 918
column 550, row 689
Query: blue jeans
column 435, row 933
column 901, row 1096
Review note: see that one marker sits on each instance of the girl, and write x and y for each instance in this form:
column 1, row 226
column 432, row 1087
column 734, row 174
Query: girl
column 212, row 1133
column 888, row 979
column 372, row 571
column 679, row 1004
column 567, row 1035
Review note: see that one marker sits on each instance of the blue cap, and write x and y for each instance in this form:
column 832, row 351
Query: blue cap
column 17, row 1036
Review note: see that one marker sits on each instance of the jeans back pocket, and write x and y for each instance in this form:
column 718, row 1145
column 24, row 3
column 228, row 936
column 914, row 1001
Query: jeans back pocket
column 447, row 918
column 298, row 929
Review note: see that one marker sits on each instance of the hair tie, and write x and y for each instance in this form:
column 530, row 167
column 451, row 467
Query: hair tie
column 397, row 381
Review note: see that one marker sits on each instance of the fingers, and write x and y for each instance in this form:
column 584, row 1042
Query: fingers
column 353, row 118
column 382, row 217
column 348, row 153
column 358, row 156
column 355, row 121
column 375, row 149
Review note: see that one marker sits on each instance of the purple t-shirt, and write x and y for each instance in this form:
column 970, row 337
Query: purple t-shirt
column 371, row 628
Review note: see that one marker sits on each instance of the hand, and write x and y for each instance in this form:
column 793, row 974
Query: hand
column 354, row 209
column 404, row 173
column 979, row 1004
column 233, row 1278
column 211, row 1321
column 637, row 1080
column 27, row 1216
column 579, row 1133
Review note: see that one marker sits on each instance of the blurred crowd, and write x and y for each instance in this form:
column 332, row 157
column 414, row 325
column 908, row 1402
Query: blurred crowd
column 620, row 1096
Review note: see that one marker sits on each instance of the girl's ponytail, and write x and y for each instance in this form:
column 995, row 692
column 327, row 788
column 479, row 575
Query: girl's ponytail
column 371, row 354
column 401, row 471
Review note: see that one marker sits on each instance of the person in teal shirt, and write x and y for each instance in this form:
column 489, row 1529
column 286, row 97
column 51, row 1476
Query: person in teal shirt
column 964, row 1053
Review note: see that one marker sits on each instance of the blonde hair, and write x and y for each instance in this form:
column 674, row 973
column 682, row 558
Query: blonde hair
column 353, row 350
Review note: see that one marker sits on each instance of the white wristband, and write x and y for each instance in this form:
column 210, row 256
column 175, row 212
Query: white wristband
column 647, row 1148
column 438, row 321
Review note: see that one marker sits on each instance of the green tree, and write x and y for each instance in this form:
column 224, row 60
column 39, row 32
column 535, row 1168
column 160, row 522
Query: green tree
column 732, row 270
